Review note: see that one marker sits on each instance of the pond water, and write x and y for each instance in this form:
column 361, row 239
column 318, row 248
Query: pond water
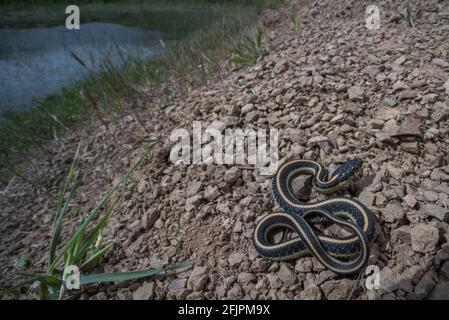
column 37, row 62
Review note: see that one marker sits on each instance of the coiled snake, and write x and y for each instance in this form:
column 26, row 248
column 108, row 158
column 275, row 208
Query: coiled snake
column 343, row 255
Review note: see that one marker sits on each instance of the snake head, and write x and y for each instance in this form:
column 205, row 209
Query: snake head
column 347, row 170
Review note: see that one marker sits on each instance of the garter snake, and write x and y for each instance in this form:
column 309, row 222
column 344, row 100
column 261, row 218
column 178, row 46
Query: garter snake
column 343, row 255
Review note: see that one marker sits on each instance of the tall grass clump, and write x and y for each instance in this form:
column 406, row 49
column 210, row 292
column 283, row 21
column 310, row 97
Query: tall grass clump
column 410, row 16
column 250, row 49
column 85, row 247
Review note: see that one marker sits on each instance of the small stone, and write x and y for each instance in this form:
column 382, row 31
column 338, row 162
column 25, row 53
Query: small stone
column 393, row 212
column 177, row 284
column 286, row 275
column 442, row 189
column 445, row 269
column 425, row 285
column 211, row 193
column 145, row 292
column 410, row 200
column 407, row 95
column 440, row 292
column 434, row 211
column 198, row 278
column 252, row 116
column 217, row 125
column 441, row 112
column 440, row 62
column 235, row 292
column 337, row 289
column 311, row 293
column 247, row 108
column 409, row 128
column 411, row 147
column 235, row 259
column 367, row 197
column 246, row 277
column 302, row 187
column 402, row 234
column 325, row 276
column 399, row 85
column 193, row 188
column 424, row 238
column 388, row 280
column 151, row 217
column 231, row 175
column 355, row 93
column 192, row 202
column 303, row 265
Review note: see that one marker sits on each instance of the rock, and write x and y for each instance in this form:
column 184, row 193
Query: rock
column 441, row 112
column 325, row 276
column 193, row 188
column 302, row 187
column 355, row 93
column 303, row 265
column 177, row 284
column 407, row 95
column 434, row 211
column 411, row 147
column 252, row 116
column 235, row 259
column 393, row 212
column 367, row 197
column 402, row 234
column 145, row 292
column 311, row 293
column 231, row 175
column 399, row 85
column 274, row 281
column 445, row 269
column 440, row 292
column 196, row 295
column 247, row 108
column 235, row 292
column 408, row 129
column 337, row 289
column 192, row 202
column 442, row 189
column 322, row 142
column 198, row 278
column 388, row 280
column 410, row 200
column 440, row 62
column 245, row 278
column 211, row 193
column 286, row 275
column 151, row 217
column 424, row 238
column 425, row 285
column 442, row 254
column 446, row 87
column 217, row 125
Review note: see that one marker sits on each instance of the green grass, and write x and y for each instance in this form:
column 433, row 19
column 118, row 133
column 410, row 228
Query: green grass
column 192, row 60
column 411, row 16
column 249, row 49
column 85, row 247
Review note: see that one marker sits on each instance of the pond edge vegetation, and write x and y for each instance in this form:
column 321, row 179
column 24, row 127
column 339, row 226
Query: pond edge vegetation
column 189, row 63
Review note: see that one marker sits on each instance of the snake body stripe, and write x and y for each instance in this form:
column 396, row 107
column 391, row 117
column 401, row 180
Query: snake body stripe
column 299, row 216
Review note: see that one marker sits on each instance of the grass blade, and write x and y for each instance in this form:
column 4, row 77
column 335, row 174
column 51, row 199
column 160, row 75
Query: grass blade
column 124, row 276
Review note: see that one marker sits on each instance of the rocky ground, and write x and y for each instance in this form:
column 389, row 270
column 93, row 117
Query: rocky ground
column 334, row 90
